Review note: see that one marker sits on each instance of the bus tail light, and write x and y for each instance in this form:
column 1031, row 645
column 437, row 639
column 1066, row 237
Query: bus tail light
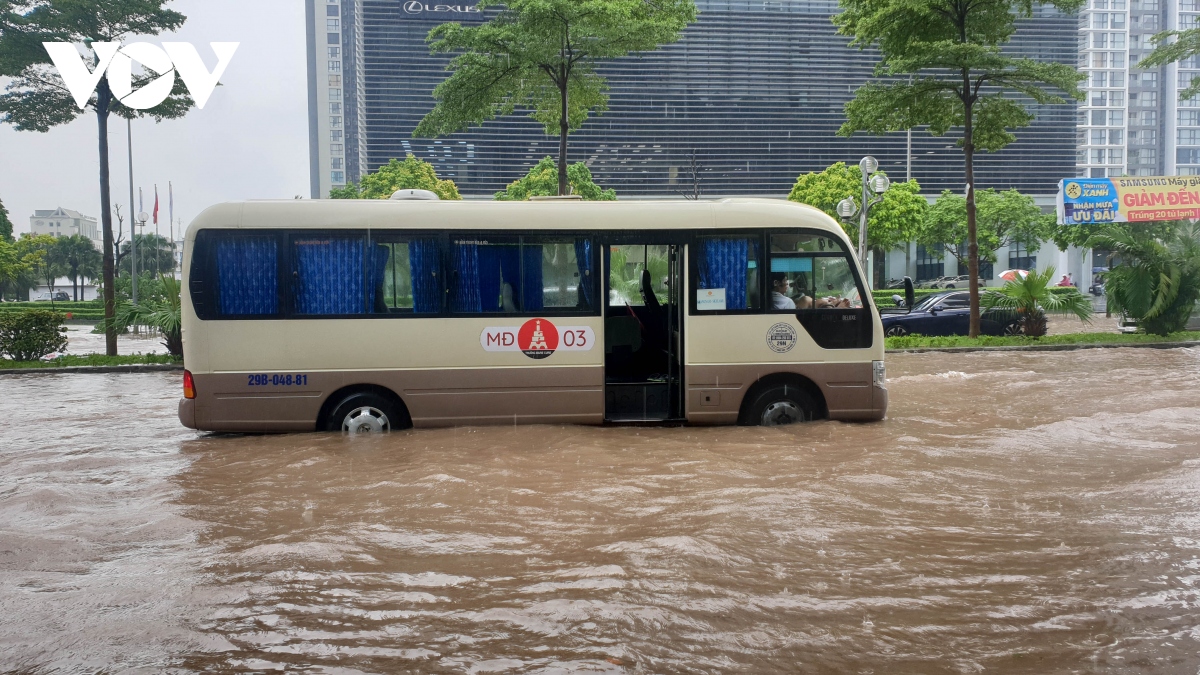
column 878, row 374
column 189, row 386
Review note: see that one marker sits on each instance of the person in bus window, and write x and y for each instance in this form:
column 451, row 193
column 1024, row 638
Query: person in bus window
column 780, row 284
column 804, row 302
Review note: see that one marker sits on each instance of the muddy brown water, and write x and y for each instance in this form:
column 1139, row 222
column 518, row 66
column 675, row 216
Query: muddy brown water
column 1016, row 513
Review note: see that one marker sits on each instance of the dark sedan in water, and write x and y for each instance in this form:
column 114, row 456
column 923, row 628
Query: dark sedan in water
column 947, row 314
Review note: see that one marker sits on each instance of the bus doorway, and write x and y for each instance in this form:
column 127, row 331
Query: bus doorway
column 643, row 322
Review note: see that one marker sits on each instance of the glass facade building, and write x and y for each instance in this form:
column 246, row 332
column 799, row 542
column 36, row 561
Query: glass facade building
column 754, row 90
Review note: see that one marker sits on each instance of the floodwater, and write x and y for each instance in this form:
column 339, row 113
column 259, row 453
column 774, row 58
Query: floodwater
column 81, row 340
column 1017, row 513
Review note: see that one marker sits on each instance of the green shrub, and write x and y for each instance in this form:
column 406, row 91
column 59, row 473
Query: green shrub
column 30, row 335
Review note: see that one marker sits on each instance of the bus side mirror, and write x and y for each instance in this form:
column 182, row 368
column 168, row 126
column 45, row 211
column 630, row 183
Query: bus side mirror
column 909, row 293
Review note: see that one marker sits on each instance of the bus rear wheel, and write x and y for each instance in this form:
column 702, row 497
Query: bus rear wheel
column 780, row 405
column 365, row 413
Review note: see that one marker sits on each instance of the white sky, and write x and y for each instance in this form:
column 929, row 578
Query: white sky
column 249, row 142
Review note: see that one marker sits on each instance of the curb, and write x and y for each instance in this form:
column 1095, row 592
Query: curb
column 133, row 368
column 1046, row 348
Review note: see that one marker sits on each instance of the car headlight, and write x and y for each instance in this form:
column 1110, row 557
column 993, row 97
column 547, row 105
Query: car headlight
column 878, row 374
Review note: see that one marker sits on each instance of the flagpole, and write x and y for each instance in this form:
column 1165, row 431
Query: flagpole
column 171, row 215
column 157, row 237
column 132, row 215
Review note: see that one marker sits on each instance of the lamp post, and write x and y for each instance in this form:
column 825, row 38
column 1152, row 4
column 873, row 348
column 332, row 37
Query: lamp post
column 872, row 182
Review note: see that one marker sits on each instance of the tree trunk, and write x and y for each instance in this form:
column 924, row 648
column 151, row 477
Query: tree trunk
column 563, row 127
column 103, row 99
column 972, row 238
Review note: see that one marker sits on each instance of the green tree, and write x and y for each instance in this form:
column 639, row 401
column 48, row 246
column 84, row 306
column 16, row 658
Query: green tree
column 18, row 267
column 1031, row 296
column 541, row 56
column 958, row 78
column 6, row 226
column 41, row 250
column 80, row 258
column 37, row 99
column 155, row 255
column 1002, row 219
column 542, row 181
column 892, row 222
column 12, row 266
column 411, row 174
column 1157, row 279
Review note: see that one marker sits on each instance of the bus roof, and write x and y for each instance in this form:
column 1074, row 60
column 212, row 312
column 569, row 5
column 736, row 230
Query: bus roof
column 733, row 213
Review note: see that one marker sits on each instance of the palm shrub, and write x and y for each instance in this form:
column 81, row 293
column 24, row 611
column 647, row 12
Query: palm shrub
column 1031, row 297
column 162, row 313
column 1155, row 280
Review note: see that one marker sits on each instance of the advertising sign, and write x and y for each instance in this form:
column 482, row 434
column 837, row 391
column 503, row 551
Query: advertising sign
column 1128, row 199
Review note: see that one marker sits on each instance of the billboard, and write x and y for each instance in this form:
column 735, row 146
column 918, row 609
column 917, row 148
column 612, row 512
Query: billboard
column 1128, row 199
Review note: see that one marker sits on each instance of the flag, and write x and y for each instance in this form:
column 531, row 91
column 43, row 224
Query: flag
column 156, row 205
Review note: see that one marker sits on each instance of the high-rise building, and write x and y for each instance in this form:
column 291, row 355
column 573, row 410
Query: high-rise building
column 1133, row 122
column 754, row 90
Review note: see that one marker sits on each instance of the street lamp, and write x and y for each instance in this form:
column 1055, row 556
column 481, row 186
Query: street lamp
column 142, row 218
column 872, row 182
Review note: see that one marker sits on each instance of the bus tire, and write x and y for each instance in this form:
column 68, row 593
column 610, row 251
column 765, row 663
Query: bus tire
column 366, row 412
column 779, row 405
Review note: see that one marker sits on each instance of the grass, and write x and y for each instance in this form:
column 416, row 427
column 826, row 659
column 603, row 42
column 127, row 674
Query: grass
column 93, row 360
column 922, row 342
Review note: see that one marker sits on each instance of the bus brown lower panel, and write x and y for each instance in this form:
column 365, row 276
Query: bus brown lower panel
column 715, row 393
column 241, row 402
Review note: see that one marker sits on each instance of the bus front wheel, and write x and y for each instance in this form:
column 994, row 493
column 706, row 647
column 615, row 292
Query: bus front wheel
column 365, row 413
column 780, row 405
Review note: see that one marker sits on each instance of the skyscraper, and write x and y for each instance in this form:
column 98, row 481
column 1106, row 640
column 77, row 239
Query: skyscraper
column 753, row 90
column 1133, row 122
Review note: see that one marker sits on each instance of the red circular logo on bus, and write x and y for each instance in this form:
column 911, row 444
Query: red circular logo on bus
column 538, row 338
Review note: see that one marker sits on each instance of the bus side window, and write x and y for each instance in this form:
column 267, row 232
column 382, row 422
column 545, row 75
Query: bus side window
column 408, row 277
column 729, row 268
column 247, row 272
column 520, row 275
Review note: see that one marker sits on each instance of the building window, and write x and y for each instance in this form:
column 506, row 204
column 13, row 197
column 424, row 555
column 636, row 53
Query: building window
column 335, row 66
column 335, row 108
column 331, row 10
column 335, row 52
column 337, row 163
column 335, row 135
column 335, row 80
column 1187, row 155
column 335, row 148
column 337, row 177
column 1116, row 118
column 1143, row 156
column 335, row 94
column 1189, row 118
column 1188, row 137
column 1149, row 5
column 930, row 262
column 1187, row 21
column 1116, row 156
column 1021, row 258
column 1097, row 156
column 335, row 122
column 333, row 38
column 1100, row 20
column 333, row 24
column 1118, row 20
column 1099, row 137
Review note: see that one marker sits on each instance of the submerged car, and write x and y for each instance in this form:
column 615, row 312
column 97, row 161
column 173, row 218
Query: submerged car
column 948, row 314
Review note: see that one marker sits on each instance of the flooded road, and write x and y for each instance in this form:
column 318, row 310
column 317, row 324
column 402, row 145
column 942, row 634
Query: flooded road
column 1017, row 513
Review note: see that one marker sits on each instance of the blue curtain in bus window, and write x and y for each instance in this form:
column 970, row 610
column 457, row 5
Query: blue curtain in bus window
column 510, row 275
column 425, row 261
column 583, row 255
column 490, row 281
column 533, row 290
column 466, row 279
column 375, row 302
column 329, row 275
column 247, row 276
column 723, row 264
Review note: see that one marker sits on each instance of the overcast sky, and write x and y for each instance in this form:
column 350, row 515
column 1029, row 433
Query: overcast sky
column 249, row 142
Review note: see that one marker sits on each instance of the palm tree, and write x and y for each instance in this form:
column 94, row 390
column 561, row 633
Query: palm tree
column 79, row 256
column 155, row 255
column 164, row 314
column 1031, row 297
column 1157, row 280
